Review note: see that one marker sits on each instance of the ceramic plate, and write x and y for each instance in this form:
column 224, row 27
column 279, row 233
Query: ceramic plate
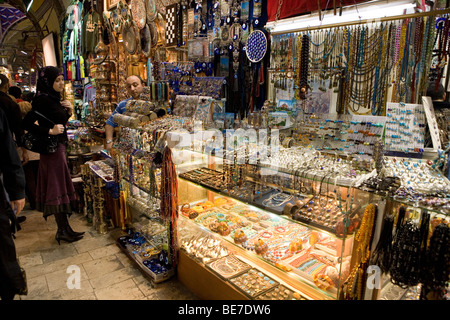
column 139, row 13
column 151, row 10
column 146, row 40
column 129, row 38
column 153, row 34
column 256, row 46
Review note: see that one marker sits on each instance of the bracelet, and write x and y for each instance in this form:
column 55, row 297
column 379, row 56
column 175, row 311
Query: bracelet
column 109, row 141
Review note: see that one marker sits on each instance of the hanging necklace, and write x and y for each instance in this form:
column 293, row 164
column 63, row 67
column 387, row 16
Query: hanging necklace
column 257, row 10
column 298, row 67
column 304, row 67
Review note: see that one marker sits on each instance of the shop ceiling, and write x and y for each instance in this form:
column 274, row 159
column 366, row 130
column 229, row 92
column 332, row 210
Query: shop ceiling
column 22, row 31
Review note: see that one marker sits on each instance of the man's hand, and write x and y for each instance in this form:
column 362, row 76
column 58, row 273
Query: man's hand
column 108, row 146
column 17, row 205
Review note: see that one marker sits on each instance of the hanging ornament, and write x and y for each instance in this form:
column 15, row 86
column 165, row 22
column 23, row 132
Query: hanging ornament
column 257, row 9
column 256, row 46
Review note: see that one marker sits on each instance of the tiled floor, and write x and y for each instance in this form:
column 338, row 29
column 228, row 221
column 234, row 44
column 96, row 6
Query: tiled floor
column 106, row 273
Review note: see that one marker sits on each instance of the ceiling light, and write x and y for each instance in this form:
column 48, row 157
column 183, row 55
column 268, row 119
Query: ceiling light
column 23, row 52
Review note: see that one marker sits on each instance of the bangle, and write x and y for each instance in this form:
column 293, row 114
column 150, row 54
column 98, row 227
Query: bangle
column 109, row 141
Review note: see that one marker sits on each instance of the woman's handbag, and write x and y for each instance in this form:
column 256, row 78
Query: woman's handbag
column 40, row 143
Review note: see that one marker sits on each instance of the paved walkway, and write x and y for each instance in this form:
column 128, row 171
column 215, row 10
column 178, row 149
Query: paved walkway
column 106, row 272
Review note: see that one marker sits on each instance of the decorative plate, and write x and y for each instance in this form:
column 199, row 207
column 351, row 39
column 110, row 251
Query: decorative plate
column 154, row 34
column 139, row 13
column 116, row 21
column 151, row 10
column 146, row 40
column 123, row 10
column 256, row 46
column 129, row 38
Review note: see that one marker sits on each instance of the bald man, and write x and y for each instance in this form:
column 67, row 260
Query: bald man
column 135, row 85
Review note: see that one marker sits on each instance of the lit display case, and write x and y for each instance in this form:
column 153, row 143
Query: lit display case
column 299, row 232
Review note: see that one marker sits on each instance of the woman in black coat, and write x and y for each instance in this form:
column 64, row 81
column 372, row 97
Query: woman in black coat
column 11, row 279
column 55, row 191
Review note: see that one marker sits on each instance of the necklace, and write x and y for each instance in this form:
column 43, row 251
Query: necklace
column 354, row 284
column 304, row 66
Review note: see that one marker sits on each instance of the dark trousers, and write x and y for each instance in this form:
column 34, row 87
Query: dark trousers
column 31, row 172
column 11, row 279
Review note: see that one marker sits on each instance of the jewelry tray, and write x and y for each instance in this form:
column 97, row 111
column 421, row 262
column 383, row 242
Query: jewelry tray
column 277, row 209
column 251, row 277
column 226, row 263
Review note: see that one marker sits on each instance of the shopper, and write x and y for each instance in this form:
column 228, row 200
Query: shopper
column 55, row 191
column 12, row 112
column 31, row 167
column 16, row 92
column 135, row 85
column 11, row 279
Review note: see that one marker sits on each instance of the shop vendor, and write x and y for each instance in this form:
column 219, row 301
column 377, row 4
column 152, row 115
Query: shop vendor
column 135, row 85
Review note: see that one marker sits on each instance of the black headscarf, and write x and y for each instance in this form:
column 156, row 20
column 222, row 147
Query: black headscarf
column 46, row 78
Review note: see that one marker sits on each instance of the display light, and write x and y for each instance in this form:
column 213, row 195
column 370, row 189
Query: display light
column 370, row 11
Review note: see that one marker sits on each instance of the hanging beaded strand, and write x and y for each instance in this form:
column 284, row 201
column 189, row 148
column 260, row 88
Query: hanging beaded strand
column 169, row 200
column 355, row 281
column 304, row 67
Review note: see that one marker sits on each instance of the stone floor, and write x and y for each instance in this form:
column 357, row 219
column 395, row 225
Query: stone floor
column 106, row 273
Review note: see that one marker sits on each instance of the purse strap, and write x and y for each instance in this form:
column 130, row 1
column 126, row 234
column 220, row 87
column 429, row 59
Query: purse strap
column 44, row 117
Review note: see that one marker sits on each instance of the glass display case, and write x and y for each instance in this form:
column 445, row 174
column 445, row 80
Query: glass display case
column 297, row 231
column 298, row 223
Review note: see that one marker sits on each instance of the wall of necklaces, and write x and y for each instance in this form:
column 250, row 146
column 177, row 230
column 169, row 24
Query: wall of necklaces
column 361, row 82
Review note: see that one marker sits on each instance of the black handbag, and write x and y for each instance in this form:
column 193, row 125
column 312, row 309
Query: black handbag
column 40, row 143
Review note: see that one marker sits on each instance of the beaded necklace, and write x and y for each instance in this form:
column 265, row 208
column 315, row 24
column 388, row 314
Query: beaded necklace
column 169, row 188
column 435, row 267
column 427, row 58
column 298, row 67
column 400, row 42
column 355, row 281
column 402, row 87
column 361, row 67
column 404, row 268
column 417, row 55
column 304, row 66
column 443, row 26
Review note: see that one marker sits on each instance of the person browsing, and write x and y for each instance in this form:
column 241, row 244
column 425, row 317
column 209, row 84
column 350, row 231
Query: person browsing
column 55, row 193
